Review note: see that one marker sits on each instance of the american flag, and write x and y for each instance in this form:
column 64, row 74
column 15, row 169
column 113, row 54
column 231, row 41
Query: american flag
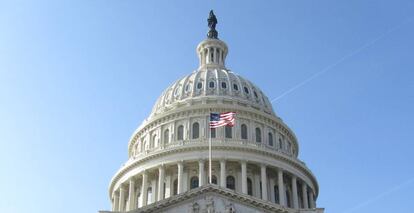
column 222, row 119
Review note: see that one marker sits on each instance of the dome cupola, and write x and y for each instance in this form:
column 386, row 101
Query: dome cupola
column 212, row 52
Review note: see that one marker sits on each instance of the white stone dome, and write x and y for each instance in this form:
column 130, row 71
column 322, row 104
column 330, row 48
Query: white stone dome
column 212, row 83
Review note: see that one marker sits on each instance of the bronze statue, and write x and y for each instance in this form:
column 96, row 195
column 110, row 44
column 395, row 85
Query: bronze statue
column 212, row 21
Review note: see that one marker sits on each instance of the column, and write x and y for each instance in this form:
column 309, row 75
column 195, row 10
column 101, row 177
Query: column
column 208, row 56
column 295, row 193
column 201, row 174
column 223, row 173
column 144, row 187
column 281, row 188
column 311, row 199
column 180, row 168
column 272, row 192
column 264, row 182
column 244, row 176
column 305, row 195
column 161, row 174
column 131, row 197
column 116, row 202
column 121, row 199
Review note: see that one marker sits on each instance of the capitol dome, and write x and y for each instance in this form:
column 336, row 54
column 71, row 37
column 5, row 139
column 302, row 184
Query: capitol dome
column 254, row 164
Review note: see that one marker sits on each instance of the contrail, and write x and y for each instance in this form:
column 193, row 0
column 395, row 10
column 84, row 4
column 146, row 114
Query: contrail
column 383, row 194
column 342, row 59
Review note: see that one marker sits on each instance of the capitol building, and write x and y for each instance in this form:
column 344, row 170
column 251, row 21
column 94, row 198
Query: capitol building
column 254, row 164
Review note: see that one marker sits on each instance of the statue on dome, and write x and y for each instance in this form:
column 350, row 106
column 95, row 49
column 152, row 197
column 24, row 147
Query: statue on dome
column 212, row 22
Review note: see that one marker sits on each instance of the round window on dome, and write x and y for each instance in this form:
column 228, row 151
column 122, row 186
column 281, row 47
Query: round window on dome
column 211, row 84
column 246, row 90
column 235, row 87
column 177, row 91
column 199, row 85
column 255, row 94
column 223, row 85
column 188, row 87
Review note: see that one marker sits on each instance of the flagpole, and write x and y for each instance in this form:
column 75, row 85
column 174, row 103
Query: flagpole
column 209, row 151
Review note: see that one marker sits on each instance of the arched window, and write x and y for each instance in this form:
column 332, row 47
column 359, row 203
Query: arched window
column 154, row 141
column 255, row 94
column 199, row 85
column 196, row 130
column 289, row 146
column 258, row 135
column 211, row 84
column 235, row 87
column 146, row 146
column 180, row 132
column 280, row 144
column 276, row 193
column 246, row 90
column 270, row 136
column 213, row 179
column 149, row 195
column 230, row 182
column 223, row 85
column 166, row 136
column 213, row 132
column 249, row 187
column 194, row 182
column 228, row 131
column 243, row 131
column 175, row 187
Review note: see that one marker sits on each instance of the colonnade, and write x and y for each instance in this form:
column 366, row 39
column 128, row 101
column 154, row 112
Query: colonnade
column 270, row 183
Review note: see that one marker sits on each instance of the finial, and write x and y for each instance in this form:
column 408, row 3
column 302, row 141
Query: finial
column 212, row 21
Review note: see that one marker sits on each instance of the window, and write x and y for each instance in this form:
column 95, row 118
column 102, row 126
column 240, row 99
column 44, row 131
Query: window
column 154, row 141
column 214, row 179
column 246, row 90
column 196, row 130
column 188, row 88
column 255, row 94
column 180, row 132
column 235, row 87
column 223, row 85
column 289, row 146
column 276, row 193
column 175, row 187
column 228, row 131
column 249, row 187
column 199, row 85
column 280, row 143
column 166, row 136
column 177, row 91
column 230, row 182
column 211, row 84
column 270, row 136
column 194, row 182
column 243, row 131
column 213, row 132
column 258, row 135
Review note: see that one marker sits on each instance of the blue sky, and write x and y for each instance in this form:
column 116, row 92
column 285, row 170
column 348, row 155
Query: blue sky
column 78, row 77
